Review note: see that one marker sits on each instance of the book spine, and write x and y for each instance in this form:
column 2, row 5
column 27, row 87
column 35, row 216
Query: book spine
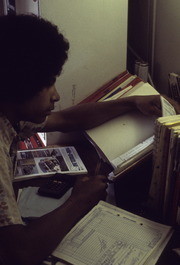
column 170, row 176
column 164, row 165
column 158, row 182
column 22, row 145
column 117, row 86
column 132, row 84
column 32, row 142
column 175, row 203
column 174, row 86
column 113, row 86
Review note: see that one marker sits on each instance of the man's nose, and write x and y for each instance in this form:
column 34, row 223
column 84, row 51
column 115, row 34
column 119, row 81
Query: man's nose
column 55, row 96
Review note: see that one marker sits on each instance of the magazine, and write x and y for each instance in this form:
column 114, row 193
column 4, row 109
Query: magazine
column 44, row 162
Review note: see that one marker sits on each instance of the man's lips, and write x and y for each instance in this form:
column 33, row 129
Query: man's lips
column 48, row 112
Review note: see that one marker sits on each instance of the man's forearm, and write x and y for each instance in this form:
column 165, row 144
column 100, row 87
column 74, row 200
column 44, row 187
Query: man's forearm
column 89, row 115
column 97, row 113
column 32, row 243
column 29, row 245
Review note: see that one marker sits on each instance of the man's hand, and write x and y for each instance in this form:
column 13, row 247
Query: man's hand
column 149, row 105
column 86, row 116
column 51, row 227
column 174, row 103
column 90, row 189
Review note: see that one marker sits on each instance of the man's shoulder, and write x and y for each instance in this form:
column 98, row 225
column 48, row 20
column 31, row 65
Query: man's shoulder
column 7, row 132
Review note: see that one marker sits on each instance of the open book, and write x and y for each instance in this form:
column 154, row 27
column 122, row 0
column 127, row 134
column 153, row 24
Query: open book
column 110, row 235
column 44, row 162
column 126, row 139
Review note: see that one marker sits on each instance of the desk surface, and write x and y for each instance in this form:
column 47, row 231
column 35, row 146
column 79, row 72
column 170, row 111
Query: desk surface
column 122, row 190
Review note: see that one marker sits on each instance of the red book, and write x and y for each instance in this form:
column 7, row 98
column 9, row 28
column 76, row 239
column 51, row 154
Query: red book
column 116, row 85
column 22, row 145
column 32, row 142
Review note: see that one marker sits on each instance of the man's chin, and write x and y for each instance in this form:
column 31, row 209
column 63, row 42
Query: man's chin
column 39, row 119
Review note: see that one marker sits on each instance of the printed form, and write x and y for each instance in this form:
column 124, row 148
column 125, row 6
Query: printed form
column 108, row 235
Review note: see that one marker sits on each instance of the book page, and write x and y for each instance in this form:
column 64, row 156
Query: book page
column 121, row 134
column 142, row 89
column 167, row 108
column 110, row 235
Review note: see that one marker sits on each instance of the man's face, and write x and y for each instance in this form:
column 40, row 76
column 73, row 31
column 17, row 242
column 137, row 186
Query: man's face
column 40, row 106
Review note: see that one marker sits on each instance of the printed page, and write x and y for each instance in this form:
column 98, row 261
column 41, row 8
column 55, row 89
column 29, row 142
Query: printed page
column 48, row 161
column 110, row 235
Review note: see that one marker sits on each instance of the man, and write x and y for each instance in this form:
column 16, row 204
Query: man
column 32, row 54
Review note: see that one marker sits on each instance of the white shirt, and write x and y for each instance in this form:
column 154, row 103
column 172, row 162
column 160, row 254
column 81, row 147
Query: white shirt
column 9, row 138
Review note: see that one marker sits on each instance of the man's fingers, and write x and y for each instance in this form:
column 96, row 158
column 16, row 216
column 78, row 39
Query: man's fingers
column 157, row 102
column 156, row 111
column 85, row 178
column 102, row 178
column 174, row 103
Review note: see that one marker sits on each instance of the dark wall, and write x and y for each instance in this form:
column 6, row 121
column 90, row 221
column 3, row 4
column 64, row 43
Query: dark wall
column 1, row 8
column 139, row 31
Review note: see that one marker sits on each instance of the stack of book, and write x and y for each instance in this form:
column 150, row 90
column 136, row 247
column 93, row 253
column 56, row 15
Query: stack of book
column 115, row 88
column 165, row 185
column 174, row 86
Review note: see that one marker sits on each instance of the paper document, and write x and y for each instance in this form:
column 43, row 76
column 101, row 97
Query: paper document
column 138, row 149
column 167, row 108
column 124, row 140
column 121, row 134
column 110, row 235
